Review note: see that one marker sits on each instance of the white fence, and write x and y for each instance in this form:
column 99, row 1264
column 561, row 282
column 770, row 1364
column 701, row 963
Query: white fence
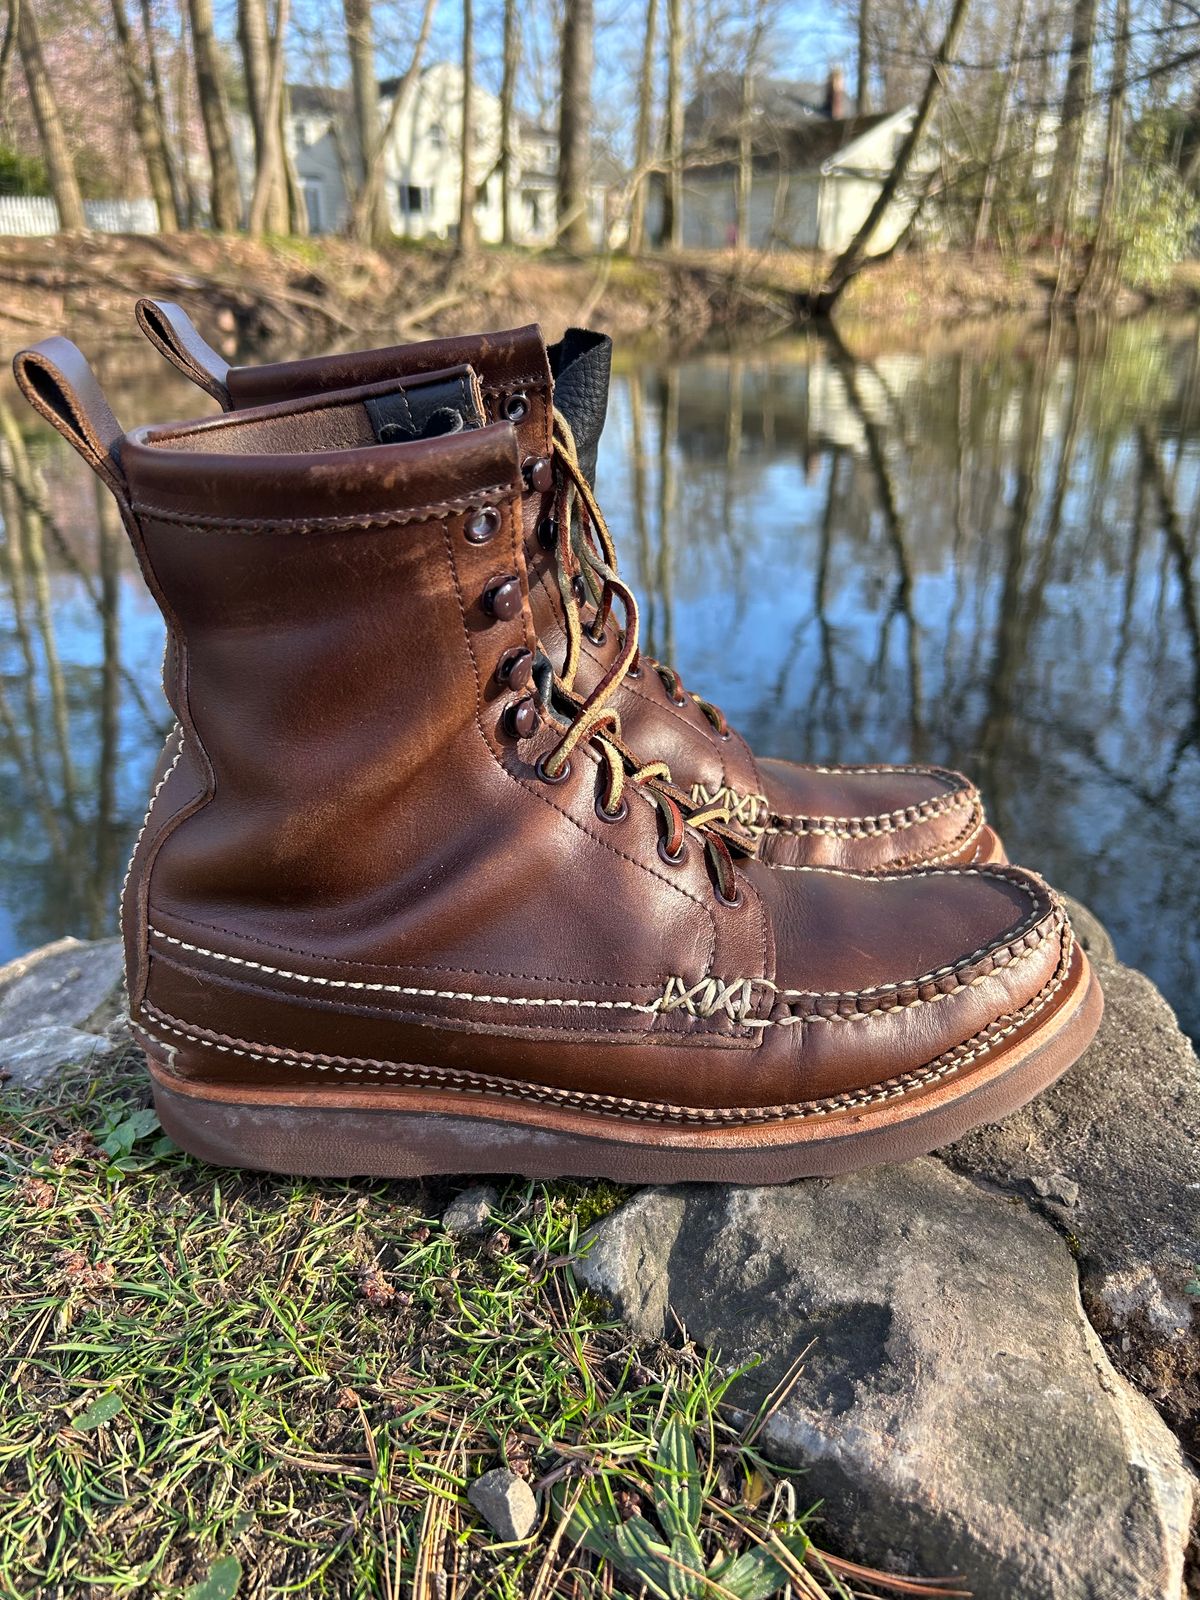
column 36, row 214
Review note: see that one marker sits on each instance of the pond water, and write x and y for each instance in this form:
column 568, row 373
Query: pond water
column 979, row 547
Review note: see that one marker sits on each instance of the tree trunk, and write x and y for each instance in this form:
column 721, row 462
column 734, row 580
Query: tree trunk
column 297, row 207
column 1102, row 267
column 145, row 121
column 983, row 216
column 644, row 135
column 466, row 192
column 178, row 197
column 225, row 199
column 60, row 169
column 269, row 203
column 854, row 256
column 185, row 81
column 508, row 91
column 574, row 125
column 863, row 84
column 258, row 53
column 8, row 47
column 745, row 169
column 1064, row 178
column 672, row 229
column 370, row 219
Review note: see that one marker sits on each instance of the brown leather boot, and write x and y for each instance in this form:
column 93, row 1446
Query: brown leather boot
column 397, row 909
column 864, row 818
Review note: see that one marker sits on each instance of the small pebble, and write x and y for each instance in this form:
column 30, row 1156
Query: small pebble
column 506, row 1503
column 468, row 1213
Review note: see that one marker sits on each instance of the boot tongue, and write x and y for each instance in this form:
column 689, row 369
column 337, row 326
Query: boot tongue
column 581, row 363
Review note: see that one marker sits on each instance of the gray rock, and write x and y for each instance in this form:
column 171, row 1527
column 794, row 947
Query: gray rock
column 506, row 1503
column 70, row 983
column 953, row 1405
column 1122, row 1128
column 1090, row 931
column 468, row 1212
column 34, row 1057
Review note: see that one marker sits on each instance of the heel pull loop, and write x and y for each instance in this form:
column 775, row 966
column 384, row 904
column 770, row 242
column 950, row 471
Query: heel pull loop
column 55, row 378
column 173, row 334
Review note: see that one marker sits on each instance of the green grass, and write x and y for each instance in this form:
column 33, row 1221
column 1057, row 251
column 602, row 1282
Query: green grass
column 221, row 1383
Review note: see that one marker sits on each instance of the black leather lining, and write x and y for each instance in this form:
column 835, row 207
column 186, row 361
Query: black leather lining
column 421, row 409
column 581, row 364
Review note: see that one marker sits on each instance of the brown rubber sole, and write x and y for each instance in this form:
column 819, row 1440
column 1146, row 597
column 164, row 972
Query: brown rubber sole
column 387, row 1132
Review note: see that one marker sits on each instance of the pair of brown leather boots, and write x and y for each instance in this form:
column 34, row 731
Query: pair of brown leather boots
column 440, row 874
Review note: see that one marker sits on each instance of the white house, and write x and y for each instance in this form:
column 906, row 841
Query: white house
column 814, row 171
column 423, row 163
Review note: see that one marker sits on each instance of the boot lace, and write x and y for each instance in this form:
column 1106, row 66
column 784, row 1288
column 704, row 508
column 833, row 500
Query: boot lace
column 595, row 718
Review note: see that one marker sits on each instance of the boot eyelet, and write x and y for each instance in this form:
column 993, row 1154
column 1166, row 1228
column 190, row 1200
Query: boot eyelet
column 516, row 407
column 484, row 525
column 665, row 854
column 515, row 668
column 539, row 473
column 633, row 672
column 547, row 533
column 618, row 815
column 725, row 899
column 679, row 700
column 598, row 638
column 502, row 598
column 579, row 589
column 726, row 736
column 545, row 776
column 521, row 718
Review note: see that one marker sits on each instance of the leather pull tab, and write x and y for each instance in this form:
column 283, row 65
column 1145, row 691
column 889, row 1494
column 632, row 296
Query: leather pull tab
column 173, row 334
column 58, row 383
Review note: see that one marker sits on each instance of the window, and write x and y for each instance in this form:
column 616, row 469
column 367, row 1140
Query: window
column 437, row 136
column 312, row 204
column 414, row 200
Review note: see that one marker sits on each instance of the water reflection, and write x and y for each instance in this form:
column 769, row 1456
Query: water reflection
column 983, row 555
column 979, row 550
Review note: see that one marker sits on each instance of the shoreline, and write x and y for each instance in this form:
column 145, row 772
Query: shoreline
column 253, row 297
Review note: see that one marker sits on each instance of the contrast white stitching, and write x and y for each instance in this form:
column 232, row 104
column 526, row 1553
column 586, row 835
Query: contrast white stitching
column 744, row 809
column 409, row 989
column 944, row 1066
column 158, row 788
column 886, row 822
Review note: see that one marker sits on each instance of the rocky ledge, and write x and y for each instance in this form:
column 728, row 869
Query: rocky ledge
column 988, row 1362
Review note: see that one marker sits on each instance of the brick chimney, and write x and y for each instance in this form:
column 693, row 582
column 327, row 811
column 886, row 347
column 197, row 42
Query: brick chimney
column 835, row 94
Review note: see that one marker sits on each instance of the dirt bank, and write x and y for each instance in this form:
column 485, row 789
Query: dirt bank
column 281, row 297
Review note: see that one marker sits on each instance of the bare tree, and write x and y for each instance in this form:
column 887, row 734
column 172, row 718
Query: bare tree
column 60, row 168
column 269, row 200
column 672, row 228
column 467, row 240
column 8, row 50
column 645, row 132
column 508, row 91
column 1102, row 267
column 983, row 216
column 151, row 134
column 574, row 124
column 269, row 208
column 854, row 256
column 863, row 85
column 1064, row 178
column 370, row 219
column 225, row 199
column 159, row 100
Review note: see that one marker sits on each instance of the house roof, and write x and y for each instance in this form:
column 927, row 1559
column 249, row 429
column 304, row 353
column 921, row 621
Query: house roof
column 810, row 146
column 311, row 98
